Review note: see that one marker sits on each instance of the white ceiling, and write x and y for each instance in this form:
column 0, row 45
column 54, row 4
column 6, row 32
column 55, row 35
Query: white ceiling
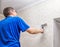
column 17, row 4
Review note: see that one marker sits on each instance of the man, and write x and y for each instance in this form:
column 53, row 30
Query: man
column 10, row 28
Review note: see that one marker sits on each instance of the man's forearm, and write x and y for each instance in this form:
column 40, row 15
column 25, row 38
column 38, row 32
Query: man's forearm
column 34, row 30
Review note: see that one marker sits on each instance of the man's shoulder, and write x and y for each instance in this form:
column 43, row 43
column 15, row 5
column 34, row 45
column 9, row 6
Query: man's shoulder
column 17, row 18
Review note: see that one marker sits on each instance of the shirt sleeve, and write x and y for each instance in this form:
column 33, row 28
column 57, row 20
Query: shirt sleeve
column 22, row 25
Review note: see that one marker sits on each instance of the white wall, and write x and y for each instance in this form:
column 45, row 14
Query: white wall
column 36, row 15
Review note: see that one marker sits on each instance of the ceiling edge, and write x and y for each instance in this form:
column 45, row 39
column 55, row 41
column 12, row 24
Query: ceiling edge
column 28, row 6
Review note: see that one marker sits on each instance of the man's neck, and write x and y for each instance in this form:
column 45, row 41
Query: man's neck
column 12, row 15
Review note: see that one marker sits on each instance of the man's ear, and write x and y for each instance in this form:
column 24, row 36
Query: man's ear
column 10, row 12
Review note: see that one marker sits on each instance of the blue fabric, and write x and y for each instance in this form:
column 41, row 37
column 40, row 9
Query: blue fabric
column 10, row 29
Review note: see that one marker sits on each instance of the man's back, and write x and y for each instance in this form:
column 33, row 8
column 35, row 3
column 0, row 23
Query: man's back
column 9, row 32
column 10, row 29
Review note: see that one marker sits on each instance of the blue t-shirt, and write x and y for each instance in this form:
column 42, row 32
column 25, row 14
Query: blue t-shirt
column 10, row 29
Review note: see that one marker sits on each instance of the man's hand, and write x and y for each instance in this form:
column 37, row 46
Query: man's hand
column 41, row 31
column 35, row 31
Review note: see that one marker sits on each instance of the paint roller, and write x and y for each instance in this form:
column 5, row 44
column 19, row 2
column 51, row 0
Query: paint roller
column 43, row 25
